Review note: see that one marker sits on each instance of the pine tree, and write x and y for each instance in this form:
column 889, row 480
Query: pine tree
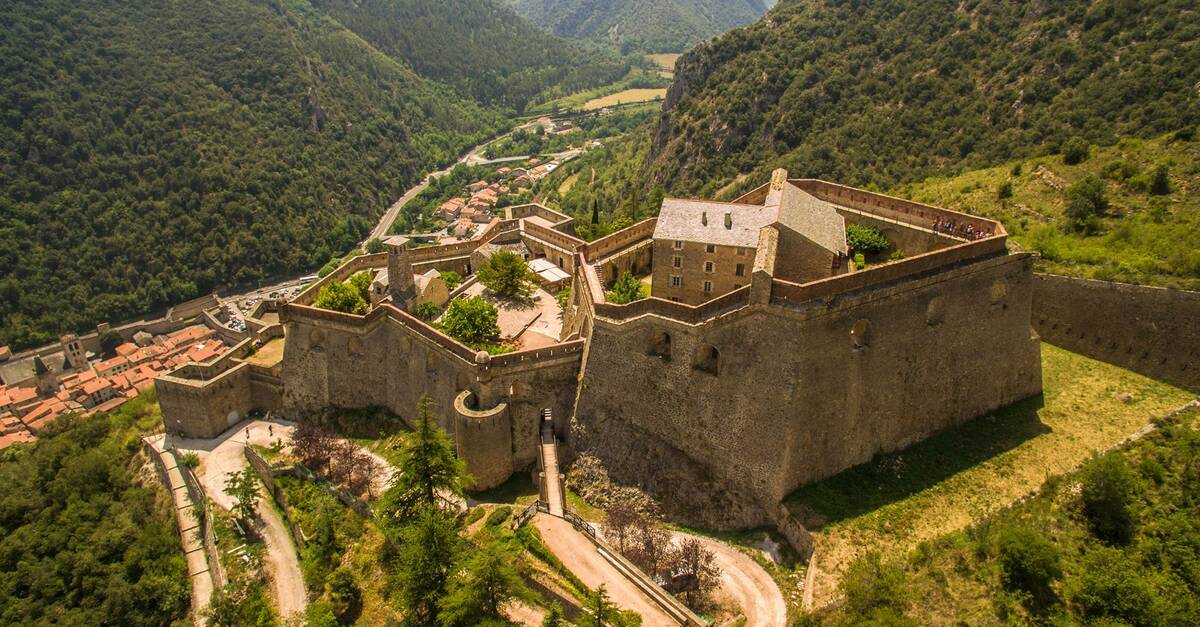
column 429, row 473
column 428, row 549
column 482, row 584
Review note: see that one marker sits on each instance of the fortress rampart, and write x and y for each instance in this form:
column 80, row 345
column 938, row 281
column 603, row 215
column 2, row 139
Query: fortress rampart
column 1150, row 330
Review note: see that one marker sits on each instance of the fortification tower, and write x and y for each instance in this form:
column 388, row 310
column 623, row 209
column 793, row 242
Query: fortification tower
column 400, row 273
column 73, row 350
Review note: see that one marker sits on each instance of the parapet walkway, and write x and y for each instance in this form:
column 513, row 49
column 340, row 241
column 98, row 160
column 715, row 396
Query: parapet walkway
column 189, row 529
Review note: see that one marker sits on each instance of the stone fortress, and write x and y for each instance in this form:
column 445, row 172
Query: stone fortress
column 763, row 359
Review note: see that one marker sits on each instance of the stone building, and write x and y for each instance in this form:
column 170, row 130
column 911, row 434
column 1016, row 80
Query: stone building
column 784, row 371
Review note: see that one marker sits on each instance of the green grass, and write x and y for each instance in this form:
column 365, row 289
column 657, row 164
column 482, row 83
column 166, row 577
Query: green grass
column 519, row 490
column 1143, row 238
column 956, row 578
column 953, row 479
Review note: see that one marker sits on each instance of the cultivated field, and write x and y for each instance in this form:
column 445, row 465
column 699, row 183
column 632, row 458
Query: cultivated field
column 625, row 97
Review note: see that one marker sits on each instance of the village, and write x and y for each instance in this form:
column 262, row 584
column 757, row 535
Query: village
column 37, row 390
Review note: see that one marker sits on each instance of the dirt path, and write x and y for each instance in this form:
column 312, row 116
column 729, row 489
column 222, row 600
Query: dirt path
column 282, row 562
column 580, row 556
column 747, row 583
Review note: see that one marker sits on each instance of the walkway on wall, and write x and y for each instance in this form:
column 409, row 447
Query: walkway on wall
column 193, row 548
column 552, row 485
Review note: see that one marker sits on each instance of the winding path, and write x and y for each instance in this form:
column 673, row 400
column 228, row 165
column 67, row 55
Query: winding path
column 748, row 583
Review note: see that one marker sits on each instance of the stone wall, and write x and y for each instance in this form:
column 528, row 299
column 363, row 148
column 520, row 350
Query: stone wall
column 391, row 359
column 1149, row 330
column 194, row 408
column 800, row 391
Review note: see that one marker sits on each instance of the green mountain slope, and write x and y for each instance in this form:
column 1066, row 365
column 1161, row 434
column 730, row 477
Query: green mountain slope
column 641, row 25
column 887, row 92
column 481, row 48
column 152, row 151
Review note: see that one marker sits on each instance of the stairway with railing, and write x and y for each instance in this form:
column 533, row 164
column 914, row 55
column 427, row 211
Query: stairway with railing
column 551, row 482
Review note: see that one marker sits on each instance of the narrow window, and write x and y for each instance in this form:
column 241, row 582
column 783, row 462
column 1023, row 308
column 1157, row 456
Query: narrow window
column 708, row 266
column 708, row 359
column 708, row 287
column 740, row 270
column 674, row 299
column 677, row 262
column 678, row 244
column 711, row 248
column 676, row 281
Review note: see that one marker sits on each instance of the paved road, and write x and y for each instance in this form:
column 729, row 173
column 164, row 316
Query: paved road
column 748, row 583
column 580, row 556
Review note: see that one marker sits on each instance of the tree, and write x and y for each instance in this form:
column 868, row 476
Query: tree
column 599, row 611
column 343, row 594
column 1028, row 561
column 343, row 297
column 243, row 487
column 428, row 548
column 1109, row 487
column 361, row 281
column 375, row 246
column 563, row 298
column 1076, row 151
column 695, row 569
column 427, row 311
column 620, row 518
column 1112, row 587
column 472, row 321
column 1160, row 181
column 451, row 278
column 429, row 471
column 867, row 240
column 554, row 616
column 1086, row 199
column 482, row 584
column 506, row 274
column 312, row 444
column 1005, row 190
column 627, row 289
column 109, row 341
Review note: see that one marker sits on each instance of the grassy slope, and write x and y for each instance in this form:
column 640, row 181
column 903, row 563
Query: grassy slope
column 1145, row 239
column 950, row 480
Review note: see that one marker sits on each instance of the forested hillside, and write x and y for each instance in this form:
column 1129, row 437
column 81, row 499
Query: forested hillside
column 151, row 151
column 888, row 92
column 641, row 25
column 87, row 535
column 479, row 46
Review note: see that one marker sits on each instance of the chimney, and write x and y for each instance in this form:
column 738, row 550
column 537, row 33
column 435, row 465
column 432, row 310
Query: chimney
column 728, row 220
column 704, row 218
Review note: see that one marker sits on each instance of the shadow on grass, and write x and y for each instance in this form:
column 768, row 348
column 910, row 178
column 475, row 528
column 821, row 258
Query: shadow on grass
column 516, row 491
column 896, row 476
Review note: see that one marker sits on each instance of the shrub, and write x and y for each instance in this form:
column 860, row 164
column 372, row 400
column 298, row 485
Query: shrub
column 339, row 296
column 498, row 516
column 506, row 274
column 1112, row 588
column 563, row 298
column 451, row 278
column 1027, row 560
column 860, row 261
column 627, row 289
column 1086, row 200
column 1016, row 170
column 871, row 586
column 427, row 311
column 1005, row 190
column 375, row 245
column 1109, row 487
column 475, row 514
column 1076, row 151
column 190, row 460
column 866, row 239
column 1119, row 170
column 1160, row 181
column 472, row 321
column 1185, row 134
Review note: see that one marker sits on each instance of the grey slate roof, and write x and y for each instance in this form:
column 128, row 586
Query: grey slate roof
column 682, row 219
column 812, row 218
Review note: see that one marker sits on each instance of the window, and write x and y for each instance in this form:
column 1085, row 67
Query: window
column 676, row 280
column 741, row 251
column 708, row 266
column 708, row 359
column 708, row 287
column 677, row 262
column 678, row 244
column 740, row 270
column 674, row 299
column 711, row 248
